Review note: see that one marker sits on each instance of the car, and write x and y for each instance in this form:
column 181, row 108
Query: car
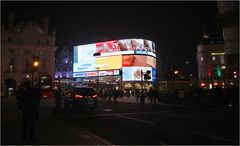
column 83, row 97
column 47, row 93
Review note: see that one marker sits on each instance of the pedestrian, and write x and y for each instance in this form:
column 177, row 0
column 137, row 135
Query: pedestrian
column 28, row 102
column 109, row 94
column 155, row 95
column 150, row 95
column 142, row 97
column 115, row 95
column 58, row 100
column 137, row 94
column 37, row 93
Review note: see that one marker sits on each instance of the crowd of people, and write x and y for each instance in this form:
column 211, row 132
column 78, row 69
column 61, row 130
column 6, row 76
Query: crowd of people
column 228, row 96
column 139, row 94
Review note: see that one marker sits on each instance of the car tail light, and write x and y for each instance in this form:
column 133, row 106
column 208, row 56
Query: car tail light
column 78, row 96
column 94, row 96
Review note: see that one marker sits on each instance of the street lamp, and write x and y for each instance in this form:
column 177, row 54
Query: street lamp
column 176, row 72
column 223, row 67
column 35, row 66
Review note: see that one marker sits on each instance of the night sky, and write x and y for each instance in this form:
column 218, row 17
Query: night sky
column 175, row 27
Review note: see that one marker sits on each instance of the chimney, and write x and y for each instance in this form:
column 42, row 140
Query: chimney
column 45, row 25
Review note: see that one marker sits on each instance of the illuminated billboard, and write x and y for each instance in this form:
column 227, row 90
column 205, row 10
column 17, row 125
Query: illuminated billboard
column 111, row 56
column 138, row 60
column 107, row 63
column 134, row 73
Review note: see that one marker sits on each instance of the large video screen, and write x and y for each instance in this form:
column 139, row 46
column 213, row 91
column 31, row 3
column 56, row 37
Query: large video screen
column 113, row 55
column 138, row 60
column 134, row 73
column 109, row 62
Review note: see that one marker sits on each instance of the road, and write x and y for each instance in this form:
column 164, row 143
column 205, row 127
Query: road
column 126, row 124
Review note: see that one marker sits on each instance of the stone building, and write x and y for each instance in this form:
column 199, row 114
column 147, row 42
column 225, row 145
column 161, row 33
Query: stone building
column 63, row 63
column 228, row 19
column 20, row 41
column 210, row 59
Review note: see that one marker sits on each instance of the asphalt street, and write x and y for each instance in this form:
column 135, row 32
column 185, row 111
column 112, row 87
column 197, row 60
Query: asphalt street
column 124, row 124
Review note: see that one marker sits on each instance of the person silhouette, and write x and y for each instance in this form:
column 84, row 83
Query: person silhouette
column 28, row 102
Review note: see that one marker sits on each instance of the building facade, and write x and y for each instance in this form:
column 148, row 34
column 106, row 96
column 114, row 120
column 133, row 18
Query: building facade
column 210, row 60
column 20, row 42
column 229, row 20
column 63, row 64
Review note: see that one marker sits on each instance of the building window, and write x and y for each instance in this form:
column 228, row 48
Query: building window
column 27, row 65
column 9, row 39
column 213, row 58
column 28, row 52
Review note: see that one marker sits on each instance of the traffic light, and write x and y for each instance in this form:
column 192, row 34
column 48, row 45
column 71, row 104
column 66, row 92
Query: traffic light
column 235, row 75
column 219, row 71
column 209, row 72
column 147, row 75
column 35, row 63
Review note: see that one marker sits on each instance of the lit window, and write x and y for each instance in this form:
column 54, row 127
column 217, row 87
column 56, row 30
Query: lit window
column 213, row 58
column 201, row 58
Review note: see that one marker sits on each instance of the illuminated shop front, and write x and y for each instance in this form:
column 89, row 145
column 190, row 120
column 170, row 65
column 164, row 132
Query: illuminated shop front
column 118, row 63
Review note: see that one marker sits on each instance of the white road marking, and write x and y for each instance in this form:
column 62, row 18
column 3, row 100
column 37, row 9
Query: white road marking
column 166, row 113
column 88, row 133
column 135, row 119
column 107, row 110
column 213, row 136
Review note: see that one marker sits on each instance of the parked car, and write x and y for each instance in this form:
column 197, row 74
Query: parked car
column 82, row 97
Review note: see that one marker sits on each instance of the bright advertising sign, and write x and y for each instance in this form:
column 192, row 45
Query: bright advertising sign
column 106, row 58
column 107, row 63
column 134, row 73
column 138, row 60
column 97, row 73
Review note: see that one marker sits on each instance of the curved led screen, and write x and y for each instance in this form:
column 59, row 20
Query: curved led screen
column 113, row 55
column 138, row 60
column 134, row 73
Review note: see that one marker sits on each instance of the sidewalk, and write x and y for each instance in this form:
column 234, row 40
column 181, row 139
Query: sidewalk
column 50, row 130
column 205, row 104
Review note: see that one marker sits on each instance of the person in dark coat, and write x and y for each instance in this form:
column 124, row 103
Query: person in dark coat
column 28, row 102
column 137, row 94
column 151, row 94
column 58, row 100
column 115, row 95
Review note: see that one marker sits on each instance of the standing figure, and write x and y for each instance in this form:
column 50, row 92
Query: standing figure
column 142, row 97
column 137, row 94
column 28, row 101
column 115, row 95
column 150, row 94
column 58, row 100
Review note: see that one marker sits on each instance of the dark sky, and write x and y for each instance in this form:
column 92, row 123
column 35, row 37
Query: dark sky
column 175, row 27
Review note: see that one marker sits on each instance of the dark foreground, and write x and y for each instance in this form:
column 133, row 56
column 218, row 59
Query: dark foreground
column 126, row 123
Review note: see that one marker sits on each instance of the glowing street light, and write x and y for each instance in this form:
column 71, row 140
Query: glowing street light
column 176, row 72
column 223, row 67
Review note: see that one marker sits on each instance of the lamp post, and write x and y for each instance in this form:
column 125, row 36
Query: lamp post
column 35, row 66
column 223, row 67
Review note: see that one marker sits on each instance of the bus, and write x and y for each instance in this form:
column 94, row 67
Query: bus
column 45, row 84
